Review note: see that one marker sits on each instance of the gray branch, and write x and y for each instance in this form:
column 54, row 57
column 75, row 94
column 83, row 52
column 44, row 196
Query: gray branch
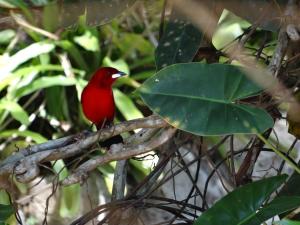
column 24, row 164
column 127, row 152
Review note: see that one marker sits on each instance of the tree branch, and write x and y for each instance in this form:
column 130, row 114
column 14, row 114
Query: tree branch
column 127, row 151
column 24, row 164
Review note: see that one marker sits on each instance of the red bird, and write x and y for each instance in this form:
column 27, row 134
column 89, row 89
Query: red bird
column 97, row 97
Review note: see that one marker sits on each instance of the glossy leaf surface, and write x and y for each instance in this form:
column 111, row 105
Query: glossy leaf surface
column 179, row 43
column 239, row 206
column 204, row 99
column 277, row 206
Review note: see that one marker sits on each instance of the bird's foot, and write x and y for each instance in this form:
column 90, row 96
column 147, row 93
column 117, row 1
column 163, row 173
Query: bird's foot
column 82, row 135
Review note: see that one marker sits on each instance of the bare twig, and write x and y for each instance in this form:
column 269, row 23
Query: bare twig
column 148, row 30
column 245, row 171
column 147, row 184
column 232, row 166
column 279, row 52
column 22, row 22
column 226, row 183
column 119, row 180
column 287, row 153
column 66, row 64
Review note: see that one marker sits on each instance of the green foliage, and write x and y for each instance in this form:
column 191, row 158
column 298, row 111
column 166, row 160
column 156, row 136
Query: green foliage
column 88, row 40
column 277, row 206
column 229, row 28
column 45, row 82
column 16, row 110
column 70, row 195
column 5, row 212
column 129, row 42
column 126, row 106
column 24, row 55
column 243, row 206
column 291, row 189
column 266, row 12
column 207, row 99
column 70, row 200
column 74, row 52
column 41, row 80
column 179, row 43
column 6, row 36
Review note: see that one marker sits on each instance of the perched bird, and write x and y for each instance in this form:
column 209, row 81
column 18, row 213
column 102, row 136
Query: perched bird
column 97, row 99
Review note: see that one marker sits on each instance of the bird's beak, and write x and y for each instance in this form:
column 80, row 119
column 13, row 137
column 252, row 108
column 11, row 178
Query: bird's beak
column 118, row 74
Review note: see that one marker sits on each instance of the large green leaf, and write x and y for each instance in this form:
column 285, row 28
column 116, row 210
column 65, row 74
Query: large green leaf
column 179, row 44
column 238, row 206
column 204, row 99
column 291, row 188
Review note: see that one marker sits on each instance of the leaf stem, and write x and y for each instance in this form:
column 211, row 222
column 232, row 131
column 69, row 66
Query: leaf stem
column 279, row 153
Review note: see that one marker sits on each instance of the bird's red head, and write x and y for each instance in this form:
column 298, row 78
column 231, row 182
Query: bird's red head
column 105, row 77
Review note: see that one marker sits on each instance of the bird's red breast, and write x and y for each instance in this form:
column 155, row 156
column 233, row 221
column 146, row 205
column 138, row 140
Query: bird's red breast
column 97, row 97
